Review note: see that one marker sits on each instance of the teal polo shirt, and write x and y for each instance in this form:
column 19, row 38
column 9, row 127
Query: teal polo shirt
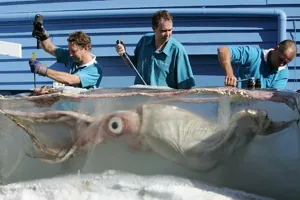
column 90, row 74
column 252, row 62
column 168, row 67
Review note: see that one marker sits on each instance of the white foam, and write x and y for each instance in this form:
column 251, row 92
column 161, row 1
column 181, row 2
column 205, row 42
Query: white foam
column 151, row 87
column 118, row 185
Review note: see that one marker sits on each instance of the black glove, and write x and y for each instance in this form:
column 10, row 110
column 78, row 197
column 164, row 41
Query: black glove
column 37, row 67
column 39, row 32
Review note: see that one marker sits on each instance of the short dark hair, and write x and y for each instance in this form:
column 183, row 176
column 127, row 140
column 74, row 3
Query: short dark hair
column 81, row 39
column 287, row 44
column 161, row 14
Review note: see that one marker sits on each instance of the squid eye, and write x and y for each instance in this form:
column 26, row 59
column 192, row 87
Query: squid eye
column 115, row 125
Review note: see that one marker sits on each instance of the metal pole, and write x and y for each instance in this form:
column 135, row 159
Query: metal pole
column 126, row 57
column 33, row 57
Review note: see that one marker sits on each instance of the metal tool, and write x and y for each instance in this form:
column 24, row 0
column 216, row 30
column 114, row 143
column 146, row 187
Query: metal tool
column 242, row 80
column 126, row 58
column 38, row 25
column 33, row 57
column 257, row 83
column 251, row 82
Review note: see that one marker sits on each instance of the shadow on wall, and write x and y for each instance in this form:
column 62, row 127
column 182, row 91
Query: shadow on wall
column 59, row 67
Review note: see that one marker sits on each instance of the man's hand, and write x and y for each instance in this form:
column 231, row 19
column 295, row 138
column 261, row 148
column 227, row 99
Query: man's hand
column 230, row 80
column 120, row 48
column 40, row 33
column 37, row 67
column 224, row 58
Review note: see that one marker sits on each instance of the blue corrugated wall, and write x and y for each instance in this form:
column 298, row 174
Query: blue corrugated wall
column 201, row 35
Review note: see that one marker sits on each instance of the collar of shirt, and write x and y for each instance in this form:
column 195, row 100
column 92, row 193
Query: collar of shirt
column 89, row 63
column 265, row 53
column 166, row 49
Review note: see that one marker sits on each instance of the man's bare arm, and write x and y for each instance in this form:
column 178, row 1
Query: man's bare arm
column 63, row 77
column 48, row 46
column 224, row 58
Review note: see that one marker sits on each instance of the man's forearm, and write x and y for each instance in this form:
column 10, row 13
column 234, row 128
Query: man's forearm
column 63, row 77
column 225, row 60
column 48, row 46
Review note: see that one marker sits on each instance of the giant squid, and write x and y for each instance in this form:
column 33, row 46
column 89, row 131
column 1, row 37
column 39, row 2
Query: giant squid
column 174, row 133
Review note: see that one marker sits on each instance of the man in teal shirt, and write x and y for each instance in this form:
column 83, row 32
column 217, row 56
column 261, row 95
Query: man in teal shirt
column 85, row 72
column 267, row 65
column 160, row 59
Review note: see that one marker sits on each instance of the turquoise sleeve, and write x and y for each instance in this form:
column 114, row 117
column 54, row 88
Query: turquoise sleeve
column 90, row 76
column 137, row 50
column 185, row 77
column 282, row 79
column 244, row 56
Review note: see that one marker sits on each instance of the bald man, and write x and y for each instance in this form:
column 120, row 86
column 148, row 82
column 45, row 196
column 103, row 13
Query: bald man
column 268, row 65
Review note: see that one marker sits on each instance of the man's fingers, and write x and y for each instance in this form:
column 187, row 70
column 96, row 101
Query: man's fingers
column 230, row 81
column 233, row 82
column 120, row 49
column 226, row 82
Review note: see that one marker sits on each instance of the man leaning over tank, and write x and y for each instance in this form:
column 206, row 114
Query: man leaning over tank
column 267, row 65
